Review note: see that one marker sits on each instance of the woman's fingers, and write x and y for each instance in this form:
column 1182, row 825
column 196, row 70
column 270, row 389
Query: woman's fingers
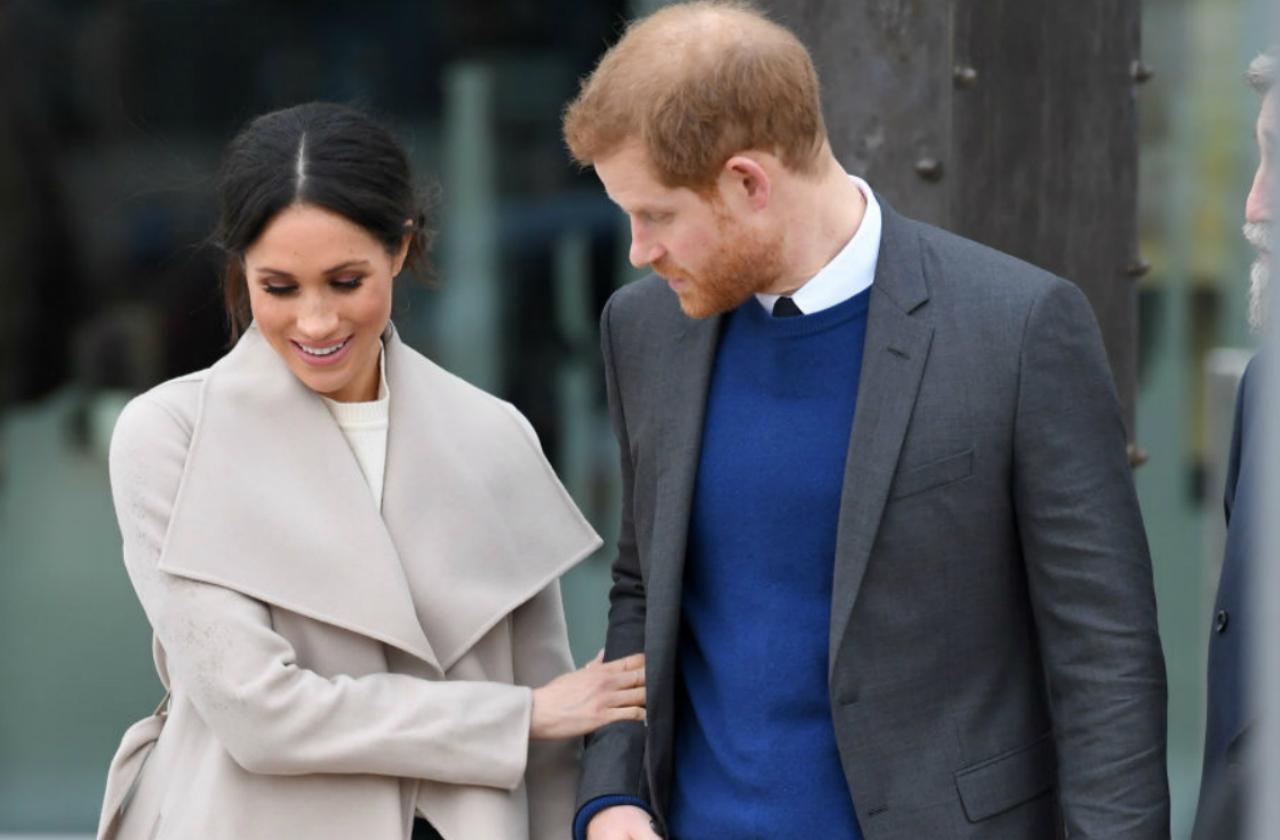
column 634, row 662
column 629, row 697
column 625, row 713
column 626, row 679
column 584, row 700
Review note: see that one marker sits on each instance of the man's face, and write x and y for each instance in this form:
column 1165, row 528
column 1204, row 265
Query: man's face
column 1257, row 213
column 709, row 252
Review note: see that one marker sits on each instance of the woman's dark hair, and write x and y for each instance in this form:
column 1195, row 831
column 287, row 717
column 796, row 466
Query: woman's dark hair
column 332, row 156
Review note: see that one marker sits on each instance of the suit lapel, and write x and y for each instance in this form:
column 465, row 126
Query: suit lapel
column 688, row 371
column 894, row 355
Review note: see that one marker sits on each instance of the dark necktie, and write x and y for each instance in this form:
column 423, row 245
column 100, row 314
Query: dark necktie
column 785, row 307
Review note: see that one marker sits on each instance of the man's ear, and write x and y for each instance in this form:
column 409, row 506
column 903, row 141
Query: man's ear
column 747, row 180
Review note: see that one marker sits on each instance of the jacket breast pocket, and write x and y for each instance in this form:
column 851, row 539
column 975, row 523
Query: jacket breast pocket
column 913, row 480
column 1009, row 779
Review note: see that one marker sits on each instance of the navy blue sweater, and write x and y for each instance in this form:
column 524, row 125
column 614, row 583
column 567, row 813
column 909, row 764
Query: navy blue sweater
column 755, row 749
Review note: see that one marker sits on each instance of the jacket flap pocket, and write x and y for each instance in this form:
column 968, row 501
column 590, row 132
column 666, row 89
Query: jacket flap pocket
column 1237, row 746
column 933, row 474
column 1009, row 779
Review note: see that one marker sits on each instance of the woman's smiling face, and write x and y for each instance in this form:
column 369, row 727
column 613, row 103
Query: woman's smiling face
column 320, row 293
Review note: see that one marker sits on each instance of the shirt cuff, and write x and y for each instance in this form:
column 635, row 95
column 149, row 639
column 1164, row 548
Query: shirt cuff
column 595, row 806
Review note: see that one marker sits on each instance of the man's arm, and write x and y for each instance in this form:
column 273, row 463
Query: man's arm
column 1089, row 574
column 613, row 763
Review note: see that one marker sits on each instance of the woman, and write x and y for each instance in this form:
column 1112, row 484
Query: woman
column 349, row 557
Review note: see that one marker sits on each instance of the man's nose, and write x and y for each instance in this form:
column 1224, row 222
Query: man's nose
column 644, row 251
column 1257, row 207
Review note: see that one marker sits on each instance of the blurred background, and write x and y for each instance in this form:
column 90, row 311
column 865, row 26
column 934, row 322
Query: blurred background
column 112, row 119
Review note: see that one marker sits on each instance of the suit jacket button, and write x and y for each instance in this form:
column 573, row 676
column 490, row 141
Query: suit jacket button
column 1220, row 621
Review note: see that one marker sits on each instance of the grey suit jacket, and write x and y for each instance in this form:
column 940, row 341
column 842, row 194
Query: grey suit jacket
column 994, row 664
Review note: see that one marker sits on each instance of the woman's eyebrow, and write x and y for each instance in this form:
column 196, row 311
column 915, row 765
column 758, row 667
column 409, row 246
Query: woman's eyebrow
column 345, row 265
column 334, row 270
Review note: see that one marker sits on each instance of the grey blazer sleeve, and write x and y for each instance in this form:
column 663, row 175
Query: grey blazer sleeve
column 1089, row 574
column 613, row 763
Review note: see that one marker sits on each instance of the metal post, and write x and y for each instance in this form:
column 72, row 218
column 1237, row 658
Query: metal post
column 469, row 312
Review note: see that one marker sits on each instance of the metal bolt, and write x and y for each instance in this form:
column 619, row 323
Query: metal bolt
column 1138, row 268
column 1140, row 72
column 965, row 76
column 929, row 169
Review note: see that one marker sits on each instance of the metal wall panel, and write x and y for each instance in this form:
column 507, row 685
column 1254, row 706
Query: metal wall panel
column 885, row 67
column 1011, row 122
column 1045, row 149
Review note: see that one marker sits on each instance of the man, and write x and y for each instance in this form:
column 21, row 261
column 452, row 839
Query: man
column 879, row 540
column 1219, row 816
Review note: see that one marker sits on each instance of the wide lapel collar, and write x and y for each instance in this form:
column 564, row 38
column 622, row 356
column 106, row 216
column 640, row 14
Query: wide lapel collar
column 687, row 378
column 893, row 360
column 272, row 504
column 480, row 520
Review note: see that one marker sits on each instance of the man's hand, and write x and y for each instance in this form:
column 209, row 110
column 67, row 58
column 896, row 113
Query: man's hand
column 584, row 700
column 621, row 822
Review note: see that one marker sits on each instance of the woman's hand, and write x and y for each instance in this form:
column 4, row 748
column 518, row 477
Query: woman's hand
column 584, row 700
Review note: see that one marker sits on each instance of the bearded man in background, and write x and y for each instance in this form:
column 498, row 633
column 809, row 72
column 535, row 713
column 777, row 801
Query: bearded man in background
column 1223, row 786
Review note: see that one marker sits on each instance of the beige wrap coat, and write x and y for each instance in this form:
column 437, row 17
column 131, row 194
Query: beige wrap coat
column 331, row 666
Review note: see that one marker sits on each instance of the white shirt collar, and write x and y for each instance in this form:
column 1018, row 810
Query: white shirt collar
column 850, row 272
